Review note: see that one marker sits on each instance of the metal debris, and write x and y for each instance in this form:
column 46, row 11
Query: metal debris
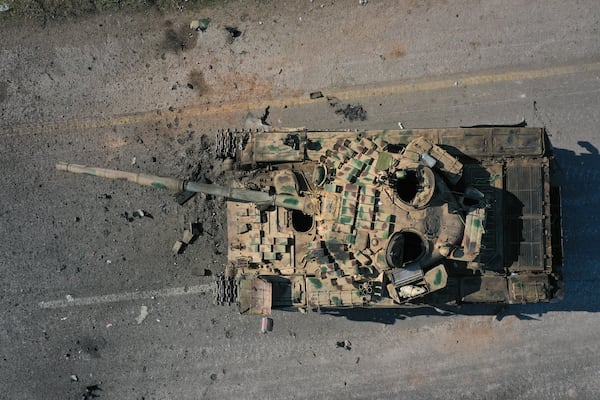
column 200, row 25
column 344, row 344
column 178, row 247
column 316, row 95
column 188, row 236
column 90, row 392
column 234, row 33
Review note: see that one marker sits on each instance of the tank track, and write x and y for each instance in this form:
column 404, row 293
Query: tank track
column 228, row 142
column 225, row 290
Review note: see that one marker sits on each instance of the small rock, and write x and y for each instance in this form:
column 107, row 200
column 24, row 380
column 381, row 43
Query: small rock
column 143, row 314
column 69, row 298
column 74, row 378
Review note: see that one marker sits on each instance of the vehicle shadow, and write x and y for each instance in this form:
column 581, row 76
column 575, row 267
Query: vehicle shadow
column 578, row 174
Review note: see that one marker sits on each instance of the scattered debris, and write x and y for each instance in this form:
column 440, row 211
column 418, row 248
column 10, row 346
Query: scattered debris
column 105, row 196
column 351, row 112
column 400, row 125
column 196, row 228
column 233, row 33
column 141, row 214
column 266, row 325
column 133, row 161
column 178, row 247
column 344, row 344
column 108, row 325
column 188, row 236
column 200, row 25
column 316, row 95
column 302, row 310
column 74, row 378
column 357, row 360
column 4, row 7
column 136, row 214
column 108, row 262
column 363, row 2
column 69, row 298
column 90, row 392
column 127, row 217
column 143, row 314
column 183, row 197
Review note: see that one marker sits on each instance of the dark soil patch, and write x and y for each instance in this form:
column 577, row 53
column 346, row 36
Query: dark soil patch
column 351, row 112
column 180, row 38
column 198, row 82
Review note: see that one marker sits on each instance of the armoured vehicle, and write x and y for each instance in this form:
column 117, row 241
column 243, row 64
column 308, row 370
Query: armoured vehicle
column 383, row 218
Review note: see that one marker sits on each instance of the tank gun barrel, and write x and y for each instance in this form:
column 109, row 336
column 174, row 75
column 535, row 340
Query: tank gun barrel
column 178, row 185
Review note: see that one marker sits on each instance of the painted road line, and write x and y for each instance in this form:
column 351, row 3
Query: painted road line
column 349, row 94
column 126, row 296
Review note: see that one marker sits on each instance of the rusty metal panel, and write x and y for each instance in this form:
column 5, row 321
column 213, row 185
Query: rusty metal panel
column 255, row 296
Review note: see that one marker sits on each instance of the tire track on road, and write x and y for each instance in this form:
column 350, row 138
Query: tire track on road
column 350, row 94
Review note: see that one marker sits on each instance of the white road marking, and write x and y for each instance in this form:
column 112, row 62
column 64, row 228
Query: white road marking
column 127, row 296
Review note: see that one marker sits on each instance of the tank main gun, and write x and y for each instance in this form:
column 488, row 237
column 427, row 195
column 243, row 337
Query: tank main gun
column 259, row 198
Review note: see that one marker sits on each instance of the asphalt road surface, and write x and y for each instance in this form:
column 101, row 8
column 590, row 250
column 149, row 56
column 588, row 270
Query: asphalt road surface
column 92, row 304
